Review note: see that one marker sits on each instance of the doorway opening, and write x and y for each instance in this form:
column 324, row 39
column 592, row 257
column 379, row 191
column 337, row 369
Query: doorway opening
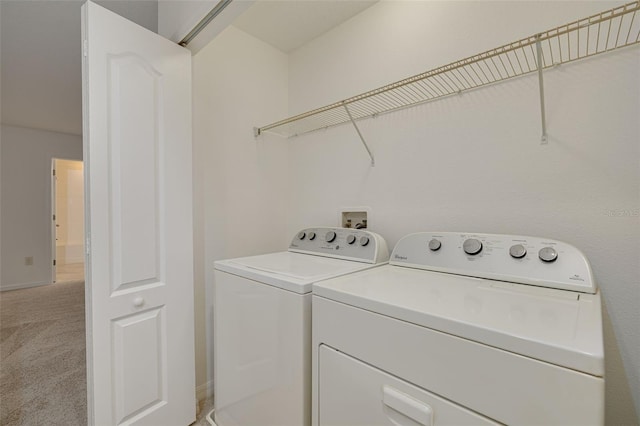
column 67, row 201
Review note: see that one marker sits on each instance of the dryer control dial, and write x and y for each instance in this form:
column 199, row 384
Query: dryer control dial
column 351, row 239
column 517, row 251
column 364, row 241
column 434, row 245
column 312, row 236
column 472, row 246
column 330, row 236
column 518, row 259
column 548, row 254
column 301, row 235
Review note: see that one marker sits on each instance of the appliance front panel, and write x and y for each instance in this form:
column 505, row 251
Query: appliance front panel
column 557, row 326
column 262, row 336
column 354, row 393
column 495, row 383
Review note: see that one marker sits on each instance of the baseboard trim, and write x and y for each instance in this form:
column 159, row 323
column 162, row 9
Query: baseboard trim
column 204, row 391
column 23, row 285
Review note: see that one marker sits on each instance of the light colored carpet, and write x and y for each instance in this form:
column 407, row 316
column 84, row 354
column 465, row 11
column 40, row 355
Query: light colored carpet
column 42, row 356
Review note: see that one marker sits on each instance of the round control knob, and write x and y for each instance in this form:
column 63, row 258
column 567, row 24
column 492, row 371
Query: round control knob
column 364, row 241
column 548, row 254
column 434, row 245
column 301, row 235
column 472, row 246
column 351, row 239
column 330, row 236
column 312, row 235
column 517, row 251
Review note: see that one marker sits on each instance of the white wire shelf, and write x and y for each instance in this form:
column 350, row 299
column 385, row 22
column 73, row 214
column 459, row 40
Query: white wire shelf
column 604, row 32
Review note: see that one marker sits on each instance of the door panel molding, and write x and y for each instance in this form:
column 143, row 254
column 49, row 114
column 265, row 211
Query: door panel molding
column 135, row 157
column 139, row 224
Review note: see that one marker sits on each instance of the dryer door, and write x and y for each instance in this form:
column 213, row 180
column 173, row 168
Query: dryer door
column 356, row 394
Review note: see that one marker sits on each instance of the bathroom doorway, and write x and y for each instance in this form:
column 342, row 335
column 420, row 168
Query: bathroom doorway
column 67, row 189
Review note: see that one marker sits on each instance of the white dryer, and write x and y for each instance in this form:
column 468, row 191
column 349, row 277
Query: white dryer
column 461, row 329
column 262, row 324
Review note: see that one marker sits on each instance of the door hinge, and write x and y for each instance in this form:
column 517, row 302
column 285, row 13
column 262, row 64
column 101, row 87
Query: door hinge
column 54, row 217
column 85, row 48
column 54, row 262
column 54, row 172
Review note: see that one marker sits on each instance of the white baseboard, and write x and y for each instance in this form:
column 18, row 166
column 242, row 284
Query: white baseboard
column 204, row 391
column 23, row 285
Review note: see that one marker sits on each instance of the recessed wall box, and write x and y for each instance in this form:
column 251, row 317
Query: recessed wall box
column 356, row 218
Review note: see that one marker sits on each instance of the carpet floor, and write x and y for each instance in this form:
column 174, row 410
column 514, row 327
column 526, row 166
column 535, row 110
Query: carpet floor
column 42, row 356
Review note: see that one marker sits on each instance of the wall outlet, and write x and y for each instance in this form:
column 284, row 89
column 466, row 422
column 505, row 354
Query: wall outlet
column 28, row 260
column 356, row 218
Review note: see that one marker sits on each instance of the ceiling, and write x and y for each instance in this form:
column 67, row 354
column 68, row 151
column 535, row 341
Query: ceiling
column 41, row 76
column 287, row 25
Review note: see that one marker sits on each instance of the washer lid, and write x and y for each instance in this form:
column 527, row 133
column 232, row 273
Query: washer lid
column 288, row 270
column 557, row 326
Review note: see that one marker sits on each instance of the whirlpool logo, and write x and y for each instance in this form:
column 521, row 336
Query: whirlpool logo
column 398, row 257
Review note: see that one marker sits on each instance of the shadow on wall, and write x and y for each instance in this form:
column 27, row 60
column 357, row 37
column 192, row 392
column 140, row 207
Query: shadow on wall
column 615, row 376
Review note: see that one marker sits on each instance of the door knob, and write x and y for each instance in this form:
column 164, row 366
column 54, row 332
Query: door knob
column 138, row 302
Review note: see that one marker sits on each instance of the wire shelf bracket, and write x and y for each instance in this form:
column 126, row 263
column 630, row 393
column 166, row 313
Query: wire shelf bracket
column 543, row 138
column 373, row 161
column 600, row 33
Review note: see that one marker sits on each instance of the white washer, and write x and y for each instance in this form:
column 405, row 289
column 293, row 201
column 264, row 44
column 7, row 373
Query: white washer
column 461, row 329
column 262, row 324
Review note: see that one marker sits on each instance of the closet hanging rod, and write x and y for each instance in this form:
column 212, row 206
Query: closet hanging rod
column 217, row 9
column 603, row 32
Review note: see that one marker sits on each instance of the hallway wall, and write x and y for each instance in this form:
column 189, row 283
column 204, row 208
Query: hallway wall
column 25, row 202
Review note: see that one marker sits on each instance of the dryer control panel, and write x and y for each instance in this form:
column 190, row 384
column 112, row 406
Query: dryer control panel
column 341, row 243
column 526, row 260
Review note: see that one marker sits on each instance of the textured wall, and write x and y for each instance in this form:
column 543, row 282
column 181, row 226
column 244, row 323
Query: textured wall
column 26, row 156
column 474, row 162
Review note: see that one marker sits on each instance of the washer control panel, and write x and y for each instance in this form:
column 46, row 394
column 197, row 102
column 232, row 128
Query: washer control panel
column 526, row 260
column 341, row 243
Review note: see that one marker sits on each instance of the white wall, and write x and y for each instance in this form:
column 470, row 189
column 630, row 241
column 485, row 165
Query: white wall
column 471, row 162
column 26, row 156
column 474, row 162
column 241, row 184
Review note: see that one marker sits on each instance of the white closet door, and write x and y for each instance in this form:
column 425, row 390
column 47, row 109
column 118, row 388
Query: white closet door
column 137, row 151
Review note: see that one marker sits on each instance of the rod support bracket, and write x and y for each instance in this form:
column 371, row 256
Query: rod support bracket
column 256, row 132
